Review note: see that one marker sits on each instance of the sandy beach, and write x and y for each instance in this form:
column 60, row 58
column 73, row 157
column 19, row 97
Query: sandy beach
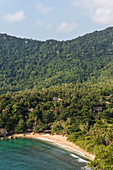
column 59, row 140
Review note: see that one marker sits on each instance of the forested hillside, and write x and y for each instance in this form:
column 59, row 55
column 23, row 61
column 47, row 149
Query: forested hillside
column 27, row 63
column 65, row 87
column 82, row 112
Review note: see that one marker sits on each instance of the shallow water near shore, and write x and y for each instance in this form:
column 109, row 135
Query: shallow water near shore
column 30, row 154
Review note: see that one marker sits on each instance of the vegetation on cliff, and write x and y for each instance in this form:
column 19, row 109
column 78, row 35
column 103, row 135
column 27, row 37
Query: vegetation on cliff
column 82, row 112
column 27, row 63
column 65, row 87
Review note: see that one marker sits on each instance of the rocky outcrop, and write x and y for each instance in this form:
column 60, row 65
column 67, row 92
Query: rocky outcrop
column 3, row 132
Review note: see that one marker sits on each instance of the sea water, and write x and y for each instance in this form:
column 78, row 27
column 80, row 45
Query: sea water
column 32, row 154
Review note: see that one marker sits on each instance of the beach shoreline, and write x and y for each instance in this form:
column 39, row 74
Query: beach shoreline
column 58, row 140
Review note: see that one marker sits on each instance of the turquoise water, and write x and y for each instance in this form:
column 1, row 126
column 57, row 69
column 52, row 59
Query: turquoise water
column 32, row 154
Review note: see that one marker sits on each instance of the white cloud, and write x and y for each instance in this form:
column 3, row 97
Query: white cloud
column 67, row 27
column 49, row 26
column 103, row 16
column 100, row 11
column 17, row 17
column 104, row 3
column 39, row 23
column 44, row 9
column 93, row 3
column 86, row 4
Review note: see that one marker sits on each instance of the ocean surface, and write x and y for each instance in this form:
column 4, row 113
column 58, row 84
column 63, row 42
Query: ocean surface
column 33, row 154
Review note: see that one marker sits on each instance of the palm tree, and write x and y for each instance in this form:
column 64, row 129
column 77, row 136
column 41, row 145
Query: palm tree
column 84, row 128
column 81, row 127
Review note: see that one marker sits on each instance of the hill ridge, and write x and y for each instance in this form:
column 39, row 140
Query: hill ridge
column 25, row 63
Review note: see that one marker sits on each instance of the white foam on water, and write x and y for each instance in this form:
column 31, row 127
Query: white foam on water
column 86, row 168
column 79, row 159
column 78, row 152
column 74, row 156
column 48, row 140
column 82, row 160
column 59, row 144
column 43, row 139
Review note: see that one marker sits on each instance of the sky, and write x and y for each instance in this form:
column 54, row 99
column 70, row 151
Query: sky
column 54, row 19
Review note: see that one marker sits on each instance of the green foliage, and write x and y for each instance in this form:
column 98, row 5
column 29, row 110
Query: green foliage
column 61, row 127
column 28, row 63
column 103, row 159
column 74, row 136
column 40, row 127
column 64, row 84
column 20, row 128
column 71, row 113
